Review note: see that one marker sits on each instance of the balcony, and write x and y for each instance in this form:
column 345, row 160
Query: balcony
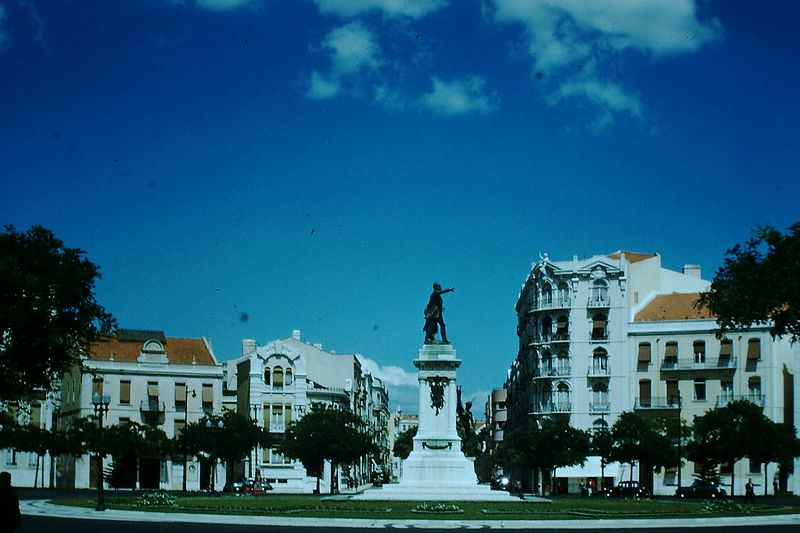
column 152, row 406
column 559, row 302
column 552, row 372
column 559, row 337
column 726, row 363
column 564, row 406
column 599, row 335
column 725, row 399
column 598, row 301
column 596, row 408
column 598, row 371
column 656, row 402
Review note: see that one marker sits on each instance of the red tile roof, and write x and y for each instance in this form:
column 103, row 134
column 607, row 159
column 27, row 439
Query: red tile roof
column 631, row 257
column 179, row 351
column 673, row 307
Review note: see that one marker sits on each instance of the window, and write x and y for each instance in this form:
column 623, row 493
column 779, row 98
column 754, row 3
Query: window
column 563, row 363
column 178, row 428
column 644, row 353
column 599, row 425
column 673, row 393
column 671, row 354
column 267, row 376
column 547, row 328
column 180, row 397
column 700, row 389
column 562, row 328
column 726, row 391
column 753, row 349
column 547, row 361
column 547, row 294
column 152, row 391
column 599, row 361
column 287, row 377
column 699, row 349
column 754, row 389
column 598, row 293
column 600, row 394
column 276, row 421
column 599, row 327
column 277, row 377
column 125, row 392
column 755, row 467
column 124, row 421
column 97, row 387
column 563, row 294
column 725, row 348
column 644, row 392
column 562, row 397
column 208, row 397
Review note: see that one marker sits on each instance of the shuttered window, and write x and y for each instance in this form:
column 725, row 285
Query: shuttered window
column 288, row 414
column 753, row 349
column 671, row 350
column 152, row 389
column 180, row 392
column 673, row 395
column 644, row 391
column 644, row 352
column 124, row 392
column 208, row 394
column 726, row 348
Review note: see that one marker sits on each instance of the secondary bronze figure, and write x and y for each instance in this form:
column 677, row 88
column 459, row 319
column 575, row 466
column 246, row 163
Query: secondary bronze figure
column 434, row 319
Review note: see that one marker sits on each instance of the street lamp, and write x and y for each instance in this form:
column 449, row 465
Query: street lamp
column 185, row 424
column 254, row 451
column 213, row 428
column 677, row 400
column 100, row 403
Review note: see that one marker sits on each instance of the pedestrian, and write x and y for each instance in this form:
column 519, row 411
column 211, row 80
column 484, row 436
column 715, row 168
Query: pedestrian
column 749, row 493
column 775, row 487
column 9, row 503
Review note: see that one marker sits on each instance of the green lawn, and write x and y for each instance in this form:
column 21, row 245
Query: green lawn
column 314, row 506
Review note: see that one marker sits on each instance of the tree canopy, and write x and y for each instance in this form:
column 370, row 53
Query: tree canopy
column 637, row 438
column 232, row 442
column 758, row 283
column 404, row 443
column 325, row 433
column 48, row 312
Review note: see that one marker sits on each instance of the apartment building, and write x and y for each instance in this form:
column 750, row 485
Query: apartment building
column 148, row 378
column 280, row 381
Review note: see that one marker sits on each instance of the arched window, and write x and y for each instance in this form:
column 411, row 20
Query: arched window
column 600, row 361
column 546, row 395
column 267, row 376
column 562, row 328
column 288, row 379
column 562, row 362
column 277, row 377
column 563, row 294
column 547, row 328
column 599, row 327
column 547, row 293
column 599, row 425
column 562, row 397
column 598, row 293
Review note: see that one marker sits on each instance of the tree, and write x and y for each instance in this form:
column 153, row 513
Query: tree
column 231, row 443
column 758, row 283
column 404, row 443
column 325, row 433
column 48, row 312
column 770, row 442
column 602, row 445
column 637, row 438
column 724, row 436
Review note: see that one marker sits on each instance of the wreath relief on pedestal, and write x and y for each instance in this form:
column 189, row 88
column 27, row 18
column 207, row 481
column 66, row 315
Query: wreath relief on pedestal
column 437, row 386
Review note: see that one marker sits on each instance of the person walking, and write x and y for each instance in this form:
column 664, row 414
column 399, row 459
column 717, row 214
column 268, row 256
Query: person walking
column 749, row 492
column 9, row 503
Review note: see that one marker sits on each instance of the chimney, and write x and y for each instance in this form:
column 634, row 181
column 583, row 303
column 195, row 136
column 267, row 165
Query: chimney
column 248, row 346
column 296, row 334
column 691, row 271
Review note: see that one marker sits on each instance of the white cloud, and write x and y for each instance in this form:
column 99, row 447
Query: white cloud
column 218, row 5
column 457, row 97
column 352, row 47
column 391, row 375
column 391, row 8
column 321, row 87
column 567, row 39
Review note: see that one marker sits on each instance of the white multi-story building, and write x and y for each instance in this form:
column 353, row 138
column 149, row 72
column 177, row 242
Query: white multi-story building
column 586, row 328
column 165, row 382
column 280, row 381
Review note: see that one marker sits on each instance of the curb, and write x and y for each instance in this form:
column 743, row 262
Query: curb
column 45, row 508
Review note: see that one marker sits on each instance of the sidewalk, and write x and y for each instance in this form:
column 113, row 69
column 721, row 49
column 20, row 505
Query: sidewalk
column 43, row 508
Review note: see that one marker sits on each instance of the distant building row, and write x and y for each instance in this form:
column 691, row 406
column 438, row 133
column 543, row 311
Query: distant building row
column 170, row 382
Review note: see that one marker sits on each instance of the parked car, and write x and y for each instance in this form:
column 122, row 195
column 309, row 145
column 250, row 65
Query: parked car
column 627, row 489
column 701, row 489
column 249, row 486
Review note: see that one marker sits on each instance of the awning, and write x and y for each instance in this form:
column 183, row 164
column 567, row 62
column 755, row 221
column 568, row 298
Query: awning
column 591, row 468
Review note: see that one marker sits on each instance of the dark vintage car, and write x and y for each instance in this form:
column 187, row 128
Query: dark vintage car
column 249, row 486
column 701, row 489
column 627, row 489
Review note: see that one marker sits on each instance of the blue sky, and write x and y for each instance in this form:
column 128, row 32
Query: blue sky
column 242, row 168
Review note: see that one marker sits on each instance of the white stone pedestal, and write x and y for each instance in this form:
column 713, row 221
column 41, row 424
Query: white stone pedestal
column 436, row 469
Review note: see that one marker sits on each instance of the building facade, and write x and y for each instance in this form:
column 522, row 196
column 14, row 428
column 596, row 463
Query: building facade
column 618, row 332
column 280, row 381
column 151, row 379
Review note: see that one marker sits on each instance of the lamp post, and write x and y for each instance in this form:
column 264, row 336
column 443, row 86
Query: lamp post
column 185, row 424
column 254, row 451
column 100, row 403
column 677, row 400
column 213, row 428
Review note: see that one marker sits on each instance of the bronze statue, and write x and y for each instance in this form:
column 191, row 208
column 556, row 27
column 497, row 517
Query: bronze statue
column 433, row 315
